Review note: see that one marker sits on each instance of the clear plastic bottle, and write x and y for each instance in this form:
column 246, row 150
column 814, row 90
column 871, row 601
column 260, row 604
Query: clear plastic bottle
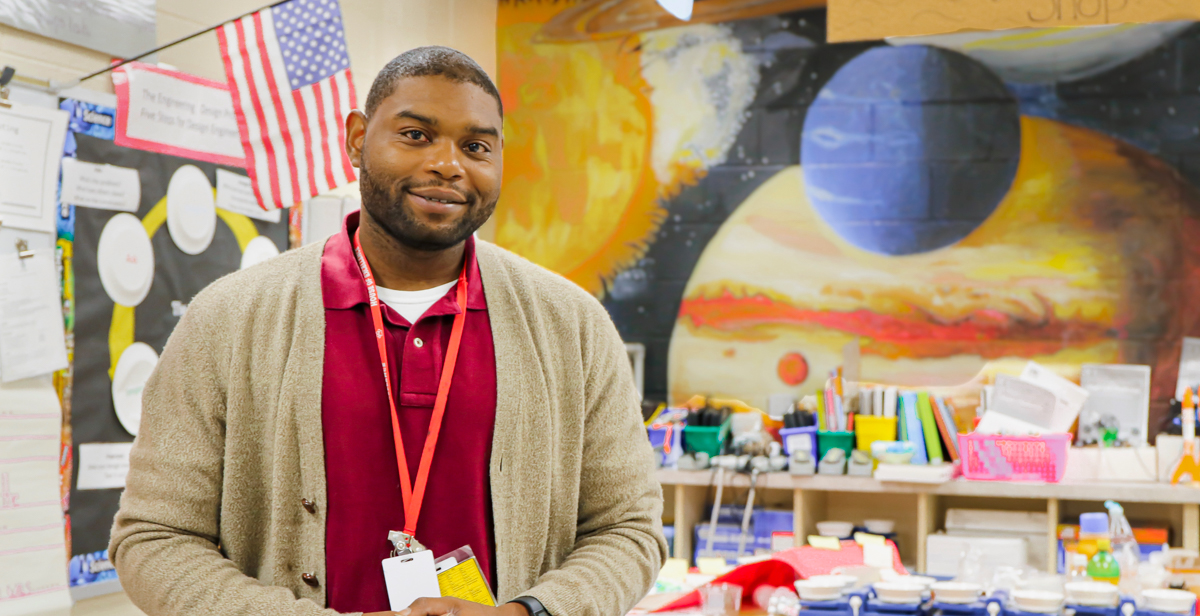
column 1092, row 528
column 1103, row 567
column 1125, row 549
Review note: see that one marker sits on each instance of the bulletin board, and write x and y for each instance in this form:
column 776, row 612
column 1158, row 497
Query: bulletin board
column 106, row 330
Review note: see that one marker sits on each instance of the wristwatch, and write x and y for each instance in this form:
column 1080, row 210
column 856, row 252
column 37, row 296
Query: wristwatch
column 534, row 606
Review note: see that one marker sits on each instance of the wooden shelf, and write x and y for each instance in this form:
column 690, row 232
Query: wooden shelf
column 1097, row 491
column 920, row 507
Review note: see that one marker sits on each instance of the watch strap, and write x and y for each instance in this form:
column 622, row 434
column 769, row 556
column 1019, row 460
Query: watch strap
column 534, row 606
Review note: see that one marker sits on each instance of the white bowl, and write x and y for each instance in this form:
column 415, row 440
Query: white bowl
column 956, row 592
column 1169, row 600
column 904, row 592
column 915, row 580
column 1092, row 594
column 841, row 530
column 846, row 582
column 879, row 527
column 1040, row 601
column 814, row 589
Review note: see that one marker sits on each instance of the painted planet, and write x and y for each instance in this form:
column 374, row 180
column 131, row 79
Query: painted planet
column 793, row 369
column 1033, row 55
column 909, row 149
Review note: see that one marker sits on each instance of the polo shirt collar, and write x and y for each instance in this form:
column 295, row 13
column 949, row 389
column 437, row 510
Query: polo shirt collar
column 342, row 282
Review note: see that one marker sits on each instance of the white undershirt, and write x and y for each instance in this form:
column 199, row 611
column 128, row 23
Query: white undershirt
column 412, row 304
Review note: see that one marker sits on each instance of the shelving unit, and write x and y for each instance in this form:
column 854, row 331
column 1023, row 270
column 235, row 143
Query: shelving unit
column 919, row 509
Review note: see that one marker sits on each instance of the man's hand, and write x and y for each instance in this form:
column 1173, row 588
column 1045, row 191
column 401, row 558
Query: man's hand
column 449, row 606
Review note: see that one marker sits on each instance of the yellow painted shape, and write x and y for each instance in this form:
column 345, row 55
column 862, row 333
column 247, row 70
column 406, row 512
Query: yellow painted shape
column 824, row 543
column 120, row 332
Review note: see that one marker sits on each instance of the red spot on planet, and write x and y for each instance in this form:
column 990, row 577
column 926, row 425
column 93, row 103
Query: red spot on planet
column 793, row 369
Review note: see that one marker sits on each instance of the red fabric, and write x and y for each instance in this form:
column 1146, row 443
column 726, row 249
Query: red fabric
column 364, row 498
column 783, row 569
column 749, row 577
column 809, row 561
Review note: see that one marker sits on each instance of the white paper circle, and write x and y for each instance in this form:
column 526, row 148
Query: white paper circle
column 258, row 250
column 125, row 260
column 129, row 379
column 191, row 210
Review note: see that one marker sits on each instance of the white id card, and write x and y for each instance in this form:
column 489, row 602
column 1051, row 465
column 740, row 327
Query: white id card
column 410, row 577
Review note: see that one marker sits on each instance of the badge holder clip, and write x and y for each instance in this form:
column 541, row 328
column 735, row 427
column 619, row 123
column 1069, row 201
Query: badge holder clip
column 404, row 543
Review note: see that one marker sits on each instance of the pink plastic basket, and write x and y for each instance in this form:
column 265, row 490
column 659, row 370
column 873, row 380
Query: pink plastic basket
column 990, row 457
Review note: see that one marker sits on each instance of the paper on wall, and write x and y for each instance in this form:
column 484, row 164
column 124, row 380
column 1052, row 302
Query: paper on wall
column 33, row 551
column 1189, row 366
column 103, row 465
column 31, row 145
column 105, row 187
column 32, row 339
column 1069, row 397
column 235, row 193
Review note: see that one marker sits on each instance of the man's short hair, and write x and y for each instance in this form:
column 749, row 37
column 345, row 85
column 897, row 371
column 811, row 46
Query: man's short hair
column 427, row 62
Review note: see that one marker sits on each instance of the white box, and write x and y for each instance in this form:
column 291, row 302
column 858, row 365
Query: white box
column 1112, row 463
column 944, row 552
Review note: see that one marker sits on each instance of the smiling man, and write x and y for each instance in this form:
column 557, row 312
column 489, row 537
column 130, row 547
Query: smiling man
column 402, row 386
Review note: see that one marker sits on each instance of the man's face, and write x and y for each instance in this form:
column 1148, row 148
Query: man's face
column 430, row 161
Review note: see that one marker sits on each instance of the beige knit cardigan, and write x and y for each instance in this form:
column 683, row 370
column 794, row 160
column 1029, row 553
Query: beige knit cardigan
column 212, row 522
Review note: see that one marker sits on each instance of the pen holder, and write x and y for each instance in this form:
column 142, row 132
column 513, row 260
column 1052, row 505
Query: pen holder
column 835, row 440
column 796, row 439
column 708, row 439
column 869, row 428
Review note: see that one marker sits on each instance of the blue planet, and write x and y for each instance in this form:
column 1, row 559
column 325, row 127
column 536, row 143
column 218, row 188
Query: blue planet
column 908, row 149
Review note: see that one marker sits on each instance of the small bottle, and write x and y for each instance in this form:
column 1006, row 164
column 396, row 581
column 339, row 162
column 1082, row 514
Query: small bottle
column 1103, row 566
column 1092, row 528
column 1077, row 568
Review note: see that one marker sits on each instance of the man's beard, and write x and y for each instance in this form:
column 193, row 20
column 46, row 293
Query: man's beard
column 387, row 208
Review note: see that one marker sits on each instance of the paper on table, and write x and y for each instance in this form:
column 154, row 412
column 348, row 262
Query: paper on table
column 1189, row 366
column 105, row 187
column 103, row 465
column 865, row 539
column 674, row 569
column 878, row 555
column 235, row 193
column 1023, row 401
column 1069, row 397
column 32, row 341
column 33, row 551
column 31, row 144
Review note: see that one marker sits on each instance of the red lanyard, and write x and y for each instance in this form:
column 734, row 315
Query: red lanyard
column 414, row 494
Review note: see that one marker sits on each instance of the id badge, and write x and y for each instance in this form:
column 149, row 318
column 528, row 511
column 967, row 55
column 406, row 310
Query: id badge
column 410, row 577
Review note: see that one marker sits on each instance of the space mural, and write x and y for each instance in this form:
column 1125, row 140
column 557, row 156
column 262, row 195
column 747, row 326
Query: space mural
column 747, row 199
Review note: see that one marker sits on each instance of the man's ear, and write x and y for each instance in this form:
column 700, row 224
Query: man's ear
column 356, row 133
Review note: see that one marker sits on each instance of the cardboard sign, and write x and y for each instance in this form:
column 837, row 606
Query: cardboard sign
column 861, row 20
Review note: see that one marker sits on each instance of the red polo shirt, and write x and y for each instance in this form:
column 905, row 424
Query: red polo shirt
column 364, row 500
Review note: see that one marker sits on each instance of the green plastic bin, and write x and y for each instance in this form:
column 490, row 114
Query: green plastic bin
column 708, row 439
column 835, row 440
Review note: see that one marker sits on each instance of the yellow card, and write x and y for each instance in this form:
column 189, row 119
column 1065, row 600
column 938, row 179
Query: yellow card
column 824, row 543
column 674, row 569
column 865, row 539
column 712, row 565
column 465, row 581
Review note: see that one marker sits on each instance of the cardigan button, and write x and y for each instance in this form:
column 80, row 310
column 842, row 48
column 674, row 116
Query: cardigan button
column 310, row 579
column 309, row 506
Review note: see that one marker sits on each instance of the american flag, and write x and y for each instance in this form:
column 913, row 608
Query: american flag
column 289, row 72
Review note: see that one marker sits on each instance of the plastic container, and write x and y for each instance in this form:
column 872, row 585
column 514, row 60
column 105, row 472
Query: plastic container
column 835, row 440
column 799, row 439
column 1092, row 528
column 708, row 439
column 1103, row 566
column 869, row 428
column 992, row 457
